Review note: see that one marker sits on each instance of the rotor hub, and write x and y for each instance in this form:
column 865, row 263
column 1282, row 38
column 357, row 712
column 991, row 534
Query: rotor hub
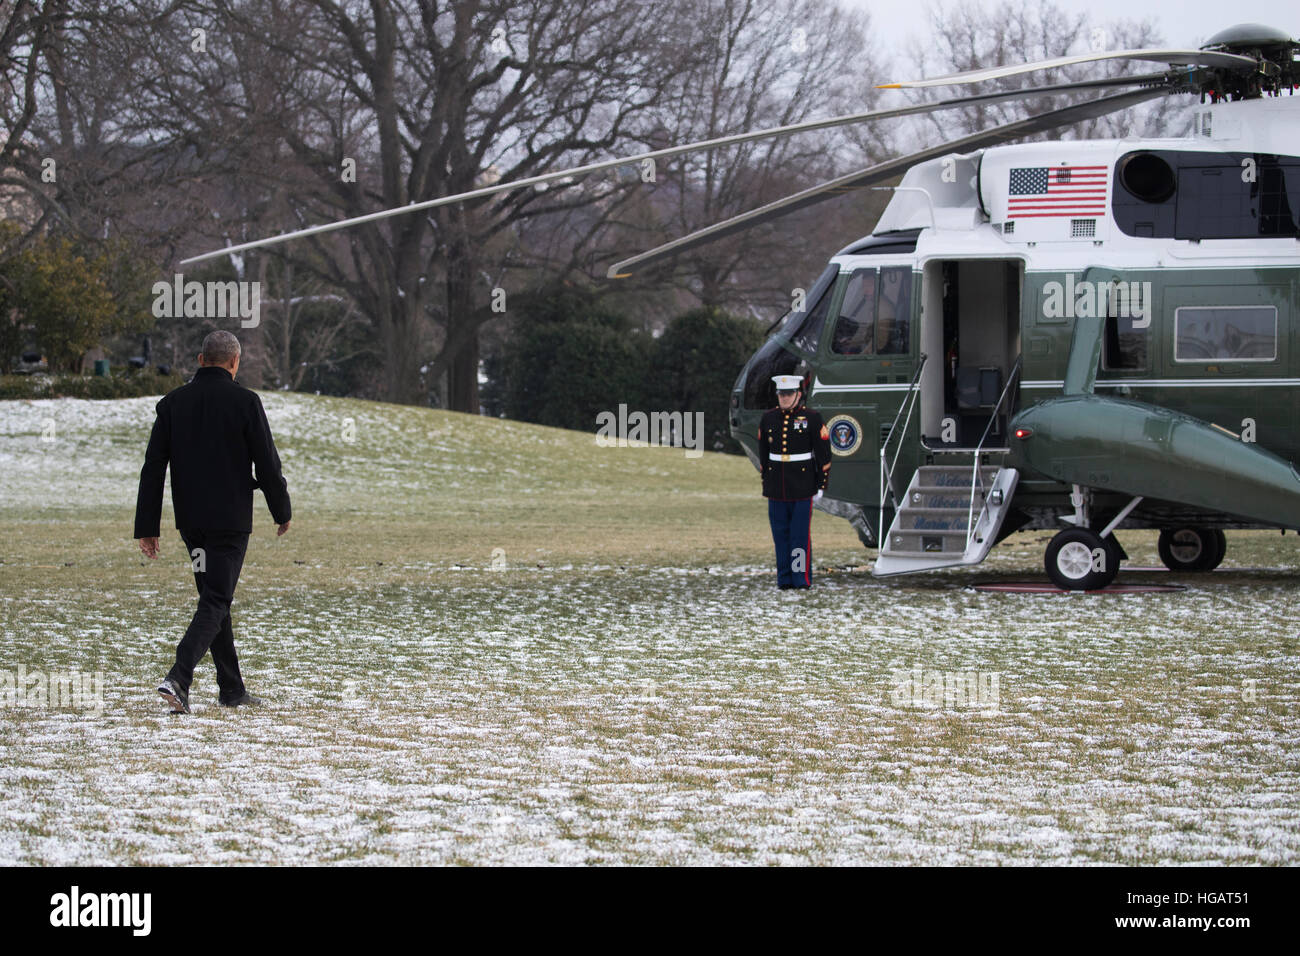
column 1274, row 51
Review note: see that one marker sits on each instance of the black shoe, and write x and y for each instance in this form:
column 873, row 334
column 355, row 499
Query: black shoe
column 248, row 700
column 177, row 699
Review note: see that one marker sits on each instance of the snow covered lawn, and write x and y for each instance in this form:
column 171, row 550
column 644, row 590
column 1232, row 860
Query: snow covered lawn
column 486, row 642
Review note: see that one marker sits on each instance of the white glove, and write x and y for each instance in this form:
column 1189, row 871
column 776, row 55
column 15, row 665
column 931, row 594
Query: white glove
column 817, row 497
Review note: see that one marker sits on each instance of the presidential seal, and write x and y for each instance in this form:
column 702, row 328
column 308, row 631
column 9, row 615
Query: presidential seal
column 845, row 434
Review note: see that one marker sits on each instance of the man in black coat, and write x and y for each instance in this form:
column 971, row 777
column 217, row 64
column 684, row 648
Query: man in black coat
column 794, row 453
column 213, row 432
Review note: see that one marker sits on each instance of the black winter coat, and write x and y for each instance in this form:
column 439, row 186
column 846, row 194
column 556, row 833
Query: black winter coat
column 213, row 432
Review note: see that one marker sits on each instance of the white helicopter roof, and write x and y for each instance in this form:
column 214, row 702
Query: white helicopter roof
column 1035, row 195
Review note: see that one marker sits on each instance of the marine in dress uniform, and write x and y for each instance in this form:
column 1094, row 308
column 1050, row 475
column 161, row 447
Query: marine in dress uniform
column 794, row 451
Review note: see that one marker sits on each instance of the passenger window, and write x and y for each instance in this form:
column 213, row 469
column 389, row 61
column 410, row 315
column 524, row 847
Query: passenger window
column 1225, row 333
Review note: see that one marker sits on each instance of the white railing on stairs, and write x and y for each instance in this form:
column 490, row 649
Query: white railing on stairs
column 887, row 467
column 977, row 479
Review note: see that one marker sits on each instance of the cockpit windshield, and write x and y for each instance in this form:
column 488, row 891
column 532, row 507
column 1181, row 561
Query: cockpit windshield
column 800, row 325
column 801, row 328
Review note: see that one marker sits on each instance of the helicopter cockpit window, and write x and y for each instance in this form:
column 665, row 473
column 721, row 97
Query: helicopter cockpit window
column 875, row 313
column 855, row 326
column 809, row 333
column 772, row 359
column 894, row 311
column 793, row 320
column 1225, row 334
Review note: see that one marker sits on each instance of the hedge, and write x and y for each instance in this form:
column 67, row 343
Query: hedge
column 131, row 385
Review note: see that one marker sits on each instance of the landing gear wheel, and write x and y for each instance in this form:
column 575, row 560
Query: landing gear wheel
column 1191, row 549
column 1079, row 560
column 1221, row 548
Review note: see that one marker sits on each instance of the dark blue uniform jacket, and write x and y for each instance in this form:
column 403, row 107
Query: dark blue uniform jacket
column 794, row 451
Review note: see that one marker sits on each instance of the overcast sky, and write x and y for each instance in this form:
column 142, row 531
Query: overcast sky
column 1182, row 23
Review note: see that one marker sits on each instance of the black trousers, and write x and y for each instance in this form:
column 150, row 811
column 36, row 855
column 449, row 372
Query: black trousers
column 222, row 558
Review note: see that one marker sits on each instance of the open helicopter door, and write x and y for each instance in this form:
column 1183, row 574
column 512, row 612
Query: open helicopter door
column 954, row 505
column 971, row 325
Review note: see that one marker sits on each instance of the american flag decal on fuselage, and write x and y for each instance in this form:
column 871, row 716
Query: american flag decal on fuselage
column 1076, row 191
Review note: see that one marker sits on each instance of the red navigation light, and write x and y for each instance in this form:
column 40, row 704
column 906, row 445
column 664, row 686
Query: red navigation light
column 1024, row 432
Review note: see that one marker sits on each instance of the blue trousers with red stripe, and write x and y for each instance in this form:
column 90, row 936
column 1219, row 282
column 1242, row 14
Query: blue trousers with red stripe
column 792, row 535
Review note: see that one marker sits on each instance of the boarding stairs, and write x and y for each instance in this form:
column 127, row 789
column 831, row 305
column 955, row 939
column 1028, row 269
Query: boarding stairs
column 950, row 514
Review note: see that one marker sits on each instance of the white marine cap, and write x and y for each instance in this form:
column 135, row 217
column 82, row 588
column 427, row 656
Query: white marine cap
column 788, row 383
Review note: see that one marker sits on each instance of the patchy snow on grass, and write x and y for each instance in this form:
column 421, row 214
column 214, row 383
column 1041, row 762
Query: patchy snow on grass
column 641, row 706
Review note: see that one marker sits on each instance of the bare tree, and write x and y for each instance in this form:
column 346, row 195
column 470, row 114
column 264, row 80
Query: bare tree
column 319, row 110
column 966, row 36
column 768, row 63
column 28, row 38
column 188, row 124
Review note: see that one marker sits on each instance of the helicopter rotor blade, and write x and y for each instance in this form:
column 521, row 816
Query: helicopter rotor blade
column 861, row 179
column 1207, row 58
column 715, row 143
